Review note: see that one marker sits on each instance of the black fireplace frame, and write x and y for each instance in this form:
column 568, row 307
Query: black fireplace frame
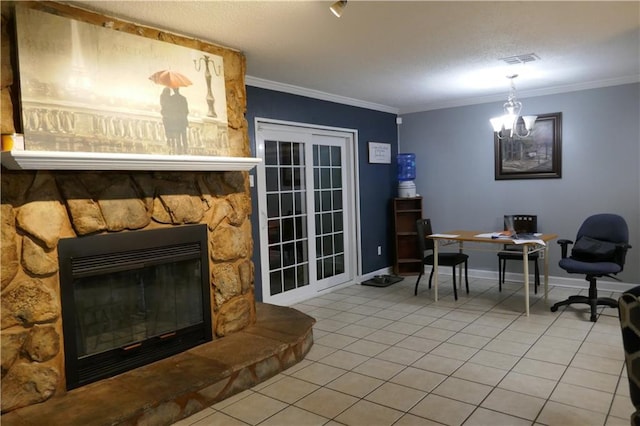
column 189, row 242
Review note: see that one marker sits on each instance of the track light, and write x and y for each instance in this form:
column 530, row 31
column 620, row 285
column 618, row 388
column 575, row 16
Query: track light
column 338, row 7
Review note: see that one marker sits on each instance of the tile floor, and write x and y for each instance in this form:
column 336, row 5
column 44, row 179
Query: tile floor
column 383, row 356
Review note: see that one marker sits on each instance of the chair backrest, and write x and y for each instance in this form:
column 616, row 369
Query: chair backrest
column 423, row 228
column 522, row 223
column 607, row 227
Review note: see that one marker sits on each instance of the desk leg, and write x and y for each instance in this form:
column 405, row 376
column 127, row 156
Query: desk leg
column 546, row 272
column 460, row 249
column 525, row 261
column 435, row 269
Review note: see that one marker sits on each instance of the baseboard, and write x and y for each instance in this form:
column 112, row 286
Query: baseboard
column 569, row 282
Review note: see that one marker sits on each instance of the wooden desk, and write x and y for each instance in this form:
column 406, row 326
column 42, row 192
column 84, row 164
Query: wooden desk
column 532, row 246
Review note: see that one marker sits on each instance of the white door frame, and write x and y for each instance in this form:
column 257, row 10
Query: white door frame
column 353, row 211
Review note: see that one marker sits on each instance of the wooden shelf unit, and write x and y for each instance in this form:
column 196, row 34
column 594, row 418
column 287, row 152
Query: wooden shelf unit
column 406, row 211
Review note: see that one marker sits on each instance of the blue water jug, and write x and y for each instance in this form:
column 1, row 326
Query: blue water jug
column 406, row 167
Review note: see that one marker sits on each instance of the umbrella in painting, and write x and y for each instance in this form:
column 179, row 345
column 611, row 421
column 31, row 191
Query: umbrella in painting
column 170, row 79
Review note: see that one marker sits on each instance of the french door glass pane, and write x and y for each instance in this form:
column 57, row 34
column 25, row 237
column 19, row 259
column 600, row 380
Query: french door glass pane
column 287, row 211
column 327, row 185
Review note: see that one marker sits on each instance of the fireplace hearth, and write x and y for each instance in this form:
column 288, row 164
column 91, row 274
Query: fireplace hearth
column 132, row 298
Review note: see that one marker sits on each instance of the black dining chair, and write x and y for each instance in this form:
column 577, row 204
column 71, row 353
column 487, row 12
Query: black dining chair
column 599, row 251
column 425, row 252
column 520, row 224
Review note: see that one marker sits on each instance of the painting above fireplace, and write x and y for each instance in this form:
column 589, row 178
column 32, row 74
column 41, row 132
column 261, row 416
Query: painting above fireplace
column 132, row 298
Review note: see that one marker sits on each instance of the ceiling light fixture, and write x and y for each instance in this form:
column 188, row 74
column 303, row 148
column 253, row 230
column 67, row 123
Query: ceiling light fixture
column 338, row 7
column 509, row 120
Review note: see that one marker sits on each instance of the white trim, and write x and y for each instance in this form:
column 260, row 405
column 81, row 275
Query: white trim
column 316, row 94
column 523, row 94
column 62, row 160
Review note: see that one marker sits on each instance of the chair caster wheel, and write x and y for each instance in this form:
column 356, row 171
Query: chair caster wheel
column 554, row 308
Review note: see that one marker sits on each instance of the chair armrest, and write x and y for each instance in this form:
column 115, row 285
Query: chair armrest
column 621, row 253
column 564, row 244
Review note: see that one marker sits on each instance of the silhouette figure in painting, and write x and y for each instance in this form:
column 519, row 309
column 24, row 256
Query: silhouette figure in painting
column 167, row 120
column 181, row 111
column 175, row 111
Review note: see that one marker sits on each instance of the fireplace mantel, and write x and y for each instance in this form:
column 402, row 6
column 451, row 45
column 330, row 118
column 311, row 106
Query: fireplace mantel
column 62, row 160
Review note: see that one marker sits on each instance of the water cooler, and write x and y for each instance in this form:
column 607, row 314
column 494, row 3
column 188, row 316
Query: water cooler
column 406, row 175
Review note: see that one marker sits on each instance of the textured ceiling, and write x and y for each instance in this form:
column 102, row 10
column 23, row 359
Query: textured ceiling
column 411, row 56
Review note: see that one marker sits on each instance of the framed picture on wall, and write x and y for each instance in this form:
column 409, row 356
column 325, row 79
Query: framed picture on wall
column 379, row 153
column 537, row 156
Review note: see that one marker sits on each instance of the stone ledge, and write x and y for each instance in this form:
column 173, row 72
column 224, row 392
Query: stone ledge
column 179, row 386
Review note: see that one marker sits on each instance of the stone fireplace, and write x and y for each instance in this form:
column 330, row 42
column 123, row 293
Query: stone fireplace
column 41, row 209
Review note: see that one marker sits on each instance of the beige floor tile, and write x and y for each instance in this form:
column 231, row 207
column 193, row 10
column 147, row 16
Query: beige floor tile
column 433, row 333
column 355, row 330
column 514, row 403
column 622, row 406
column 482, row 330
column 418, row 379
column 379, row 368
column 294, row 416
column 463, row 316
column 518, row 337
column 470, row 340
column 559, row 343
column 403, row 327
column 448, row 324
column 484, row 417
column 616, row 421
column 385, row 337
column 289, row 389
column 320, row 374
column 449, row 350
column 261, row 408
column 590, row 379
column 375, row 322
column 417, row 344
column 542, row 369
column 390, row 314
column 328, row 324
column 416, row 319
column 443, row 410
column 367, row 413
column 597, row 363
column 335, row 340
column 462, row 390
column 602, row 350
column 555, row 414
column 396, row 396
column 355, row 384
column 555, row 356
column 366, row 347
column 438, row 364
column 581, row 397
column 326, row 402
column 494, row 359
column 319, row 351
column 348, row 317
column 567, row 333
column 480, row 373
column 507, row 347
column 343, row 359
column 411, row 420
column 233, row 399
column 400, row 355
column 530, row 385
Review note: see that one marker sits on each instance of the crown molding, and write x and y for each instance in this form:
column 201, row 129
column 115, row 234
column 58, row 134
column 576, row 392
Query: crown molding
column 316, row 94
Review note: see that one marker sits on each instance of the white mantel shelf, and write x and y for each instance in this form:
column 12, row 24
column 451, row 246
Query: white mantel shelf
column 61, row 160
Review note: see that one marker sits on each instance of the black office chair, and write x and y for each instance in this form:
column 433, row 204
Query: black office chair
column 522, row 223
column 599, row 251
column 445, row 259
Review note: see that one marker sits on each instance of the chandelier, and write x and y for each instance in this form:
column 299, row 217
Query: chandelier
column 506, row 126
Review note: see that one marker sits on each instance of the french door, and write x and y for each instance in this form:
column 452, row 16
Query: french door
column 306, row 203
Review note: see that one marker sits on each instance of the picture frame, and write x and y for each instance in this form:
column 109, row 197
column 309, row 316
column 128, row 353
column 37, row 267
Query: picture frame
column 379, row 153
column 537, row 156
column 113, row 91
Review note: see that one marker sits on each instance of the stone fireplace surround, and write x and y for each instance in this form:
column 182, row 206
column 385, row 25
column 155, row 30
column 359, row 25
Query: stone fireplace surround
column 254, row 341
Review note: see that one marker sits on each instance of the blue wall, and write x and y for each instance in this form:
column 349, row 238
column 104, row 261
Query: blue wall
column 600, row 169
column 377, row 184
